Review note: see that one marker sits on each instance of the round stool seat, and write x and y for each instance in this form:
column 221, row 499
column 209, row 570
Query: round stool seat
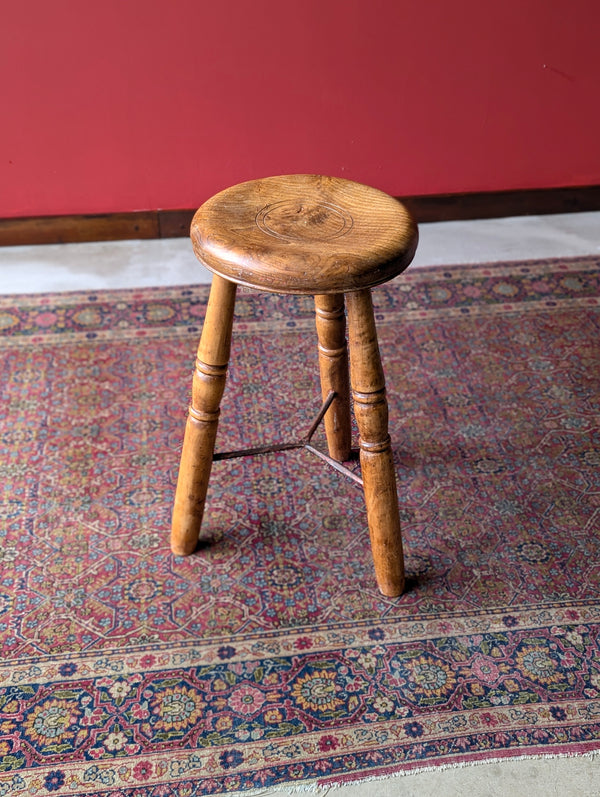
column 304, row 234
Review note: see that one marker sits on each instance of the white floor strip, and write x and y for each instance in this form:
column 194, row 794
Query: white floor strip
column 171, row 261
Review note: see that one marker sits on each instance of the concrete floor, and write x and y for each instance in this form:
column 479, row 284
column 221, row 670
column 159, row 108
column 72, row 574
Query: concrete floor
column 170, row 261
column 95, row 266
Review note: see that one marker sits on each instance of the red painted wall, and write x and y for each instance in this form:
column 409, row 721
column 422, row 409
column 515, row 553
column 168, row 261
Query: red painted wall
column 127, row 105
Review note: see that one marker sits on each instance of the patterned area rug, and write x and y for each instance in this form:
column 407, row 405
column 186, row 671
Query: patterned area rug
column 269, row 657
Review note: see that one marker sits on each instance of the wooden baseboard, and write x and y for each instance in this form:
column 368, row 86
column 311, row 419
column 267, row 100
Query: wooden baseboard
column 500, row 204
column 176, row 223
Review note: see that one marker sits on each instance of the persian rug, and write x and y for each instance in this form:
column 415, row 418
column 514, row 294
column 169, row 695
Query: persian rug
column 269, row 657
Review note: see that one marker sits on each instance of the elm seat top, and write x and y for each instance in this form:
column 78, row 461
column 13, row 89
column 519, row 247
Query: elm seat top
column 304, row 233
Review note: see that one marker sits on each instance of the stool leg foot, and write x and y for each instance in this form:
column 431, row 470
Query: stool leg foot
column 333, row 364
column 371, row 411
column 201, row 427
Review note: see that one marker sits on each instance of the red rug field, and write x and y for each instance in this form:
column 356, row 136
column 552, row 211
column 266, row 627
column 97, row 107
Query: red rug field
column 269, row 657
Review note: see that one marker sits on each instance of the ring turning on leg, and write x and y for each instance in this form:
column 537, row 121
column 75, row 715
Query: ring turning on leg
column 333, row 365
column 201, row 427
column 377, row 465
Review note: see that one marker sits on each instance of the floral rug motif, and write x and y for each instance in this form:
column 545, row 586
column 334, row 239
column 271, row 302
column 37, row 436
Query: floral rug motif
column 269, row 657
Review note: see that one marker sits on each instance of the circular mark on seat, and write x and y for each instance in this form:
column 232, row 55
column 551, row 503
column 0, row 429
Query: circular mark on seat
column 299, row 220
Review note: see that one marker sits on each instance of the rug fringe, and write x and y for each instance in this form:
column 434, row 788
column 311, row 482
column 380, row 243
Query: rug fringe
column 323, row 789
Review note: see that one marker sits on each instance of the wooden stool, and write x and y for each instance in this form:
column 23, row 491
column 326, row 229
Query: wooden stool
column 303, row 234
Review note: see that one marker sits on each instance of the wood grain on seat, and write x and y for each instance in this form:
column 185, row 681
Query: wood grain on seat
column 304, row 234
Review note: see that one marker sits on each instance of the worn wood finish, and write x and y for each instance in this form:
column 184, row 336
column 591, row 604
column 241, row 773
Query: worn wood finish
column 333, row 365
column 304, row 234
column 201, row 427
column 377, row 464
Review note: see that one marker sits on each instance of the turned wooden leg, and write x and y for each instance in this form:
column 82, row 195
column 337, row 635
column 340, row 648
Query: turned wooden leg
column 333, row 364
column 371, row 411
column 201, row 427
